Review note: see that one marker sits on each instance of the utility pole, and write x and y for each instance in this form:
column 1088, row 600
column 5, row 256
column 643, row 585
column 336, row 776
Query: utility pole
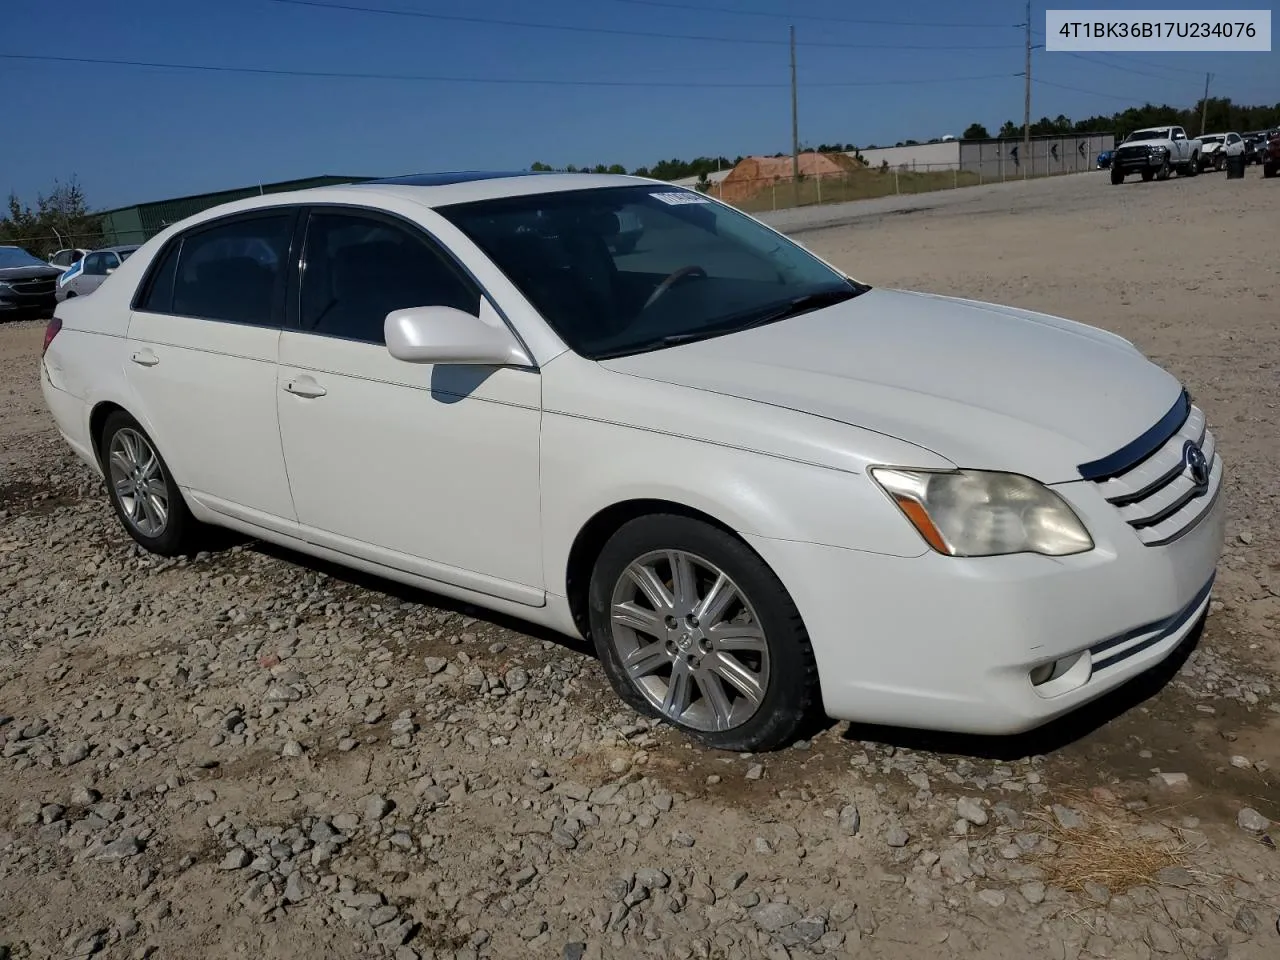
column 1026, row 104
column 795, row 125
column 1204, row 104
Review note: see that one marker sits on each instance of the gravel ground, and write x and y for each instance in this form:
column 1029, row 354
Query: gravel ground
column 263, row 755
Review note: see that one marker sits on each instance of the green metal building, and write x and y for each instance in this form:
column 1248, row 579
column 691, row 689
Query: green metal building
column 141, row 222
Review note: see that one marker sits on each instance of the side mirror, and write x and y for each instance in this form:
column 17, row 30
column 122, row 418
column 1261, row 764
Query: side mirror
column 449, row 335
column 110, row 271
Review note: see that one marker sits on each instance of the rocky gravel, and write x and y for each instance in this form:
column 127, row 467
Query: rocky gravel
column 250, row 753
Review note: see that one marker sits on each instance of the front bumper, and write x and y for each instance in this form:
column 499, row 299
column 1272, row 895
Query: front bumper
column 948, row 644
column 18, row 303
column 1139, row 162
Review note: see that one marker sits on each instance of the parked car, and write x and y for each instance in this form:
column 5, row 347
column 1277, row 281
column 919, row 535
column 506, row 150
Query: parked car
column 1215, row 148
column 757, row 484
column 87, row 274
column 1104, row 159
column 1256, row 146
column 1271, row 157
column 26, row 283
column 1155, row 153
column 64, row 259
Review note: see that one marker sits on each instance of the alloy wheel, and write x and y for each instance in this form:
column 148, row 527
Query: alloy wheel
column 689, row 640
column 139, row 482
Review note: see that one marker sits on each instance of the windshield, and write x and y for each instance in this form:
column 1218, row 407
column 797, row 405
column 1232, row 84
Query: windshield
column 17, row 257
column 625, row 269
column 1148, row 135
column 1212, row 139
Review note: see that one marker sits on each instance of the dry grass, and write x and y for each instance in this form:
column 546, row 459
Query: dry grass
column 1107, row 850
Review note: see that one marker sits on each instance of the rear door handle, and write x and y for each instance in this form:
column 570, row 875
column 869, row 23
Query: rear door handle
column 145, row 358
column 305, row 387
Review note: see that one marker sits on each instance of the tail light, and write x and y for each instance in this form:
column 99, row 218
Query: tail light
column 50, row 332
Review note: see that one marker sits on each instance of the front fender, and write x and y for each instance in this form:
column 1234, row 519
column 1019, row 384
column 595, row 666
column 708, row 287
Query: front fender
column 589, row 465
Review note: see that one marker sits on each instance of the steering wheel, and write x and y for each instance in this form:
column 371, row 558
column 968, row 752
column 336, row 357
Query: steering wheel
column 671, row 280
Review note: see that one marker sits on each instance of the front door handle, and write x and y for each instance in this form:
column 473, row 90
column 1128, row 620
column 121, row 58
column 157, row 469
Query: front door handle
column 305, row 387
column 145, row 358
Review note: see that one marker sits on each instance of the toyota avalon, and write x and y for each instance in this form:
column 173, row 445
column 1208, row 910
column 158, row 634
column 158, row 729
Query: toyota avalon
column 761, row 486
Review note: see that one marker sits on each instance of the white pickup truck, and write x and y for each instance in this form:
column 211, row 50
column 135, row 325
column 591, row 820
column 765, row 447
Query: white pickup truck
column 1156, row 152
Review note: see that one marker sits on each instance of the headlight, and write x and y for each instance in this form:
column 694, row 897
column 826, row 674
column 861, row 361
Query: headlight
column 976, row 513
column 5, row 286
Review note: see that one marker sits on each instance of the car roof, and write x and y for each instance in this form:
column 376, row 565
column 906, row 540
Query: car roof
column 431, row 190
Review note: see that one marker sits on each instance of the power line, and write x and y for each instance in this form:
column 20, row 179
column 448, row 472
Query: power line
column 1096, row 93
column 800, row 16
column 1114, row 66
column 619, row 32
column 518, row 81
column 1103, row 54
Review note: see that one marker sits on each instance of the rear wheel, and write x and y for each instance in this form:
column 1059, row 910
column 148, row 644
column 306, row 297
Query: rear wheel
column 693, row 627
column 142, row 490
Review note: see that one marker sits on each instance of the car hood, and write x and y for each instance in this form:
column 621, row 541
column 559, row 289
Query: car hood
column 985, row 386
column 27, row 273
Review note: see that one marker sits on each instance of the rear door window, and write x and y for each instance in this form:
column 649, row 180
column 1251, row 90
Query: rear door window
column 234, row 271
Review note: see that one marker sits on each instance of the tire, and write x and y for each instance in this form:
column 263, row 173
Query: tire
column 1269, row 170
column 124, row 444
column 1217, row 164
column 1193, row 168
column 774, row 660
column 1165, row 171
column 1148, row 175
column 1117, row 175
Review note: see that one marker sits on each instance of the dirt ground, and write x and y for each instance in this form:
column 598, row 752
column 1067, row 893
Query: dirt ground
column 251, row 753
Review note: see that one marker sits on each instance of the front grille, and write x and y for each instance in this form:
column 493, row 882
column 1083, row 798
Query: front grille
column 1157, row 495
column 1132, row 153
column 33, row 288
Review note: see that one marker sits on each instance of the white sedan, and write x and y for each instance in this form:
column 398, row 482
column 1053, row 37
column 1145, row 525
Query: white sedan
column 761, row 488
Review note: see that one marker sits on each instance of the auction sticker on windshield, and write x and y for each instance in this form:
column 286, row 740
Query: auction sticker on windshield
column 678, row 198
column 1149, row 31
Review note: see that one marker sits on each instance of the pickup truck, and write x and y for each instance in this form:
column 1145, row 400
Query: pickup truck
column 1155, row 153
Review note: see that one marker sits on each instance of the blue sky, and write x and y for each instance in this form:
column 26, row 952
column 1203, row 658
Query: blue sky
column 139, row 133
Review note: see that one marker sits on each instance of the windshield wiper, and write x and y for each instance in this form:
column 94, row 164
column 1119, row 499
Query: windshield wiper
column 791, row 308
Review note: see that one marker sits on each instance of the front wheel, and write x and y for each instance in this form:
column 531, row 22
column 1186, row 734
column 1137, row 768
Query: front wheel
column 693, row 627
column 1148, row 175
column 1117, row 175
column 1217, row 164
column 1165, row 171
column 142, row 489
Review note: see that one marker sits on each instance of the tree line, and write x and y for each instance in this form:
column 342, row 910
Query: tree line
column 1220, row 115
column 60, row 219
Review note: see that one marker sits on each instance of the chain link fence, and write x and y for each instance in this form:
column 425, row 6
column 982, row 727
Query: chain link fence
column 46, row 245
column 759, row 195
